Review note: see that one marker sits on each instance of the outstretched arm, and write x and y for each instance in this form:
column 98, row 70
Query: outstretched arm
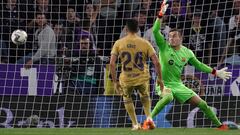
column 200, row 66
column 161, row 43
column 222, row 73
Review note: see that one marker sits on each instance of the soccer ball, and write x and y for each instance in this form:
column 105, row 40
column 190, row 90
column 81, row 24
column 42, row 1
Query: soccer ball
column 19, row 37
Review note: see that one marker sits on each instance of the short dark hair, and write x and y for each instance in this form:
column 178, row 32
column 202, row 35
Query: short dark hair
column 40, row 13
column 176, row 30
column 71, row 7
column 132, row 25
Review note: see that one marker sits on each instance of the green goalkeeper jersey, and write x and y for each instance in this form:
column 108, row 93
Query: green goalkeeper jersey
column 173, row 61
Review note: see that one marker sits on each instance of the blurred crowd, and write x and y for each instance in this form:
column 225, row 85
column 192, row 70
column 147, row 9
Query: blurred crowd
column 77, row 35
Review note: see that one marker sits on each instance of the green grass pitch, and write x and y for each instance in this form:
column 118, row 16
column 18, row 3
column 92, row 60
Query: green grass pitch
column 115, row 131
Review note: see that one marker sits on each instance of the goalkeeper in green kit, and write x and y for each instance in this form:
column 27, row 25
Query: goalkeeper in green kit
column 173, row 57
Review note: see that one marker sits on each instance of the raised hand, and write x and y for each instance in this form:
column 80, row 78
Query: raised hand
column 163, row 9
column 223, row 74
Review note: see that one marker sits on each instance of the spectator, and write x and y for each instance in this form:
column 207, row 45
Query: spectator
column 45, row 41
column 233, row 20
column 136, row 5
column 133, row 5
column 109, row 8
column 86, row 68
column 236, row 6
column 176, row 20
column 150, row 7
column 41, row 6
column 185, row 6
column 146, row 4
column 141, row 17
column 59, row 31
column 59, row 8
column 9, row 21
column 91, row 13
column 108, row 25
column 195, row 38
column 216, row 35
column 71, row 22
column 232, row 51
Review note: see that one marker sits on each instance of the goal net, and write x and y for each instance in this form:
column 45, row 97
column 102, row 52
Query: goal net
column 61, row 78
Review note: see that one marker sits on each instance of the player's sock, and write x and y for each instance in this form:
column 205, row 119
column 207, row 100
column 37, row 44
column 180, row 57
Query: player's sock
column 146, row 102
column 209, row 113
column 131, row 110
column 161, row 104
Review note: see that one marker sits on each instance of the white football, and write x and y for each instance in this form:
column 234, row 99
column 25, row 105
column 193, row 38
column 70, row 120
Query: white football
column 19, row 37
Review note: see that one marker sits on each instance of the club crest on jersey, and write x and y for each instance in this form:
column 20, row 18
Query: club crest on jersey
column 183, row 59
column 170, row 62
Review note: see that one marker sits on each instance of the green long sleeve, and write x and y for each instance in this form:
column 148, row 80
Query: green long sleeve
column 161, row 42
column 199, row 65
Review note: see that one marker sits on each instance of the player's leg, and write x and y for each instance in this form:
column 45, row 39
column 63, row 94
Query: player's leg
column 184, row 94
column 146, row 102
column 145, row 98
column 129, row 106
column 164, row 100
column 197, row 101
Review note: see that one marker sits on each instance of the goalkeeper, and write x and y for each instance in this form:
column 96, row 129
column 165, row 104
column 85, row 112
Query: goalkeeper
column 173, row 57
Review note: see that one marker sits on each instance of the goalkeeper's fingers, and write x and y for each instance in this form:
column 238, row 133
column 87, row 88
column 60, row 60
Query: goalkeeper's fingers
column 224, row 69
column 163, row 9
column 165, row 1
column 228, row 75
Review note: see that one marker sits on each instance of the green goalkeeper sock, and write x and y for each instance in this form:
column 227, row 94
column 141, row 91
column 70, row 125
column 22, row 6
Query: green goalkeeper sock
column 209, row 113
column 161, row 104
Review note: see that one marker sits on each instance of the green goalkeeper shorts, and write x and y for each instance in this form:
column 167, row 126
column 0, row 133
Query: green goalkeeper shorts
column 180, row 92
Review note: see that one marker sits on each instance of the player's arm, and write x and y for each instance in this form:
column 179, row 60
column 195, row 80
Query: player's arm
column 157, row 66
column 222, row 73
column 44, row 45
column 112, row 67
column 161, row 42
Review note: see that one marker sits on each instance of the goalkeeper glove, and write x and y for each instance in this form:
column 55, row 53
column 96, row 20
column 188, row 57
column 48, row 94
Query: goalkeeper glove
column 222, row 73
column 163, row 9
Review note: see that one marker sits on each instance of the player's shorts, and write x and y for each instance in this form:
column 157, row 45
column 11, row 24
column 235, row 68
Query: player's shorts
column 143, row 90
column 181, row 92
